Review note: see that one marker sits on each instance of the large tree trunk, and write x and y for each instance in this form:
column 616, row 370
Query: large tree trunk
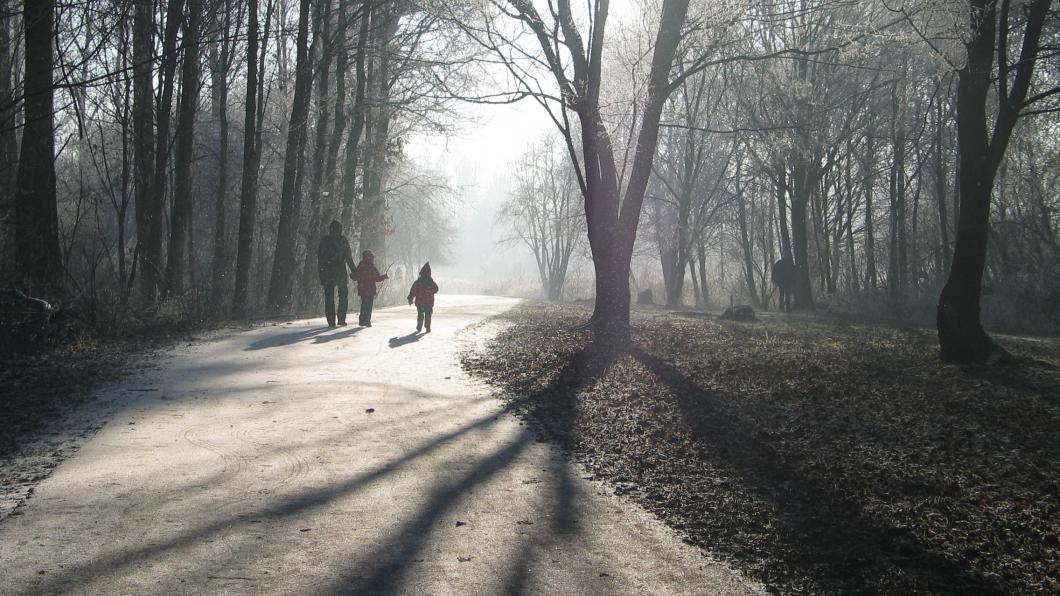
column 675, row 257
column 283, row 267
column 8, row 143
column 868, row 169
column 248, row 201
column 611, row 311
column 803, row 183
column 148, row 207
column 896, row 266
column 152, row 272
column 745, row 241
column 379, row 113
column 961, row 334
column 349, row 174
column 940, row 188
column 852, row 261
column 180, row 215
column 781, row 186
column 121, row 207
column 220, row 62
column 37, row 253
column 317, row 227
column 613, row 225
column 331, row 183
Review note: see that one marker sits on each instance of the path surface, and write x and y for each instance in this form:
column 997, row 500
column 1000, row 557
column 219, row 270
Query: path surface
column 252, row 464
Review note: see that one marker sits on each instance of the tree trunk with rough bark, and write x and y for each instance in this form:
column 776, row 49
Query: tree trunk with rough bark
column 960, row 331
column 148, row 207
column 349, row 174
column 37, row 255
column 283, row 268
column 317, row 227
column 220, row 63
column 940, row 177
column 803, row 183
column 868, row 167
column 248, row 201
column 153, row 273
column 181, row 208
column 8, row 144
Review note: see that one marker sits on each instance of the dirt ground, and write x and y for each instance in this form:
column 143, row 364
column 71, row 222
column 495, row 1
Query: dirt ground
column 814, row 455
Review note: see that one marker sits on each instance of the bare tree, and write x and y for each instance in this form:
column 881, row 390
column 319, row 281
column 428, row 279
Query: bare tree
column 221, row 56
column 180, row 216
column 572, row 57
column 687, row 190
column 283, row 267
column 544, row 213
column 8, row 138
column 248, row 202
column 147, row 214
column 37, row 256
column 961, row 334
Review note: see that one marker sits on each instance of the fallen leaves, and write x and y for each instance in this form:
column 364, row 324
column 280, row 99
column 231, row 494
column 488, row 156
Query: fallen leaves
column 818, row 456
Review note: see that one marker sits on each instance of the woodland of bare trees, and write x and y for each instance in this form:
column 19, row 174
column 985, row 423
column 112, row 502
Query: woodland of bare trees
column 860, row 140
column 180, row 158
column 544, row 212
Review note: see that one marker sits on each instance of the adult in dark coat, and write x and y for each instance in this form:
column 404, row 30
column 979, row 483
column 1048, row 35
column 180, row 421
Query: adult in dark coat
column 422, row 293
column 367, row 275
column 333, row 257
column 783, row 276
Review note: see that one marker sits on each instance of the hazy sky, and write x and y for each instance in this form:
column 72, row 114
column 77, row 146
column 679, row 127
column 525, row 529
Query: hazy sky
column 477, row 160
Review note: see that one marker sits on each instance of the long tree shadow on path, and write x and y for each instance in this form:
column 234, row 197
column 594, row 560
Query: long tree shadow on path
column 307, row 500
column 384, row 570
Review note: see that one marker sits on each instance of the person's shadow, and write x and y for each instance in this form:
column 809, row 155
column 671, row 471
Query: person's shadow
column 320, row 339
column 397, row 342
column 286, row 339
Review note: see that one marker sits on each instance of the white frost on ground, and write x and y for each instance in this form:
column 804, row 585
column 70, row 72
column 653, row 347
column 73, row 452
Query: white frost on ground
column 299, row 459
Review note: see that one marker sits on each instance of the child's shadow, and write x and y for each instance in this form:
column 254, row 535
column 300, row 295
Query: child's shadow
column 397, row 342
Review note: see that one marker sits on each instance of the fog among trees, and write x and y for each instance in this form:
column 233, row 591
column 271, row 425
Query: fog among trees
column 180, row 160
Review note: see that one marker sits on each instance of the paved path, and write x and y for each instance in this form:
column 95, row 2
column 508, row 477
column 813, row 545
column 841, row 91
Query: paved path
column 254, row 464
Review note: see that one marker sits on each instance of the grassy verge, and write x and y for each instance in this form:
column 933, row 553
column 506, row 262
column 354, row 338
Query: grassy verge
column 816, row 456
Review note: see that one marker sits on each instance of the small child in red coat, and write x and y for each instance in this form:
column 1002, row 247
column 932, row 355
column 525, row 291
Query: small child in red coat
column 422, row 293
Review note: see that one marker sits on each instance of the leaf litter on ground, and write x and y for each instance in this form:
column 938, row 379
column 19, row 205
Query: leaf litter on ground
column 817, row 455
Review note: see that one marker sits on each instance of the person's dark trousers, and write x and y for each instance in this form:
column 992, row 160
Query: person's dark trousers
column 423, row 317
column 366, row 310
column 329, row 303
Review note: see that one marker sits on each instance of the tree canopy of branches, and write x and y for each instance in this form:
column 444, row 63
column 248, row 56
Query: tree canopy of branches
column 901, row 154
column 544, row 212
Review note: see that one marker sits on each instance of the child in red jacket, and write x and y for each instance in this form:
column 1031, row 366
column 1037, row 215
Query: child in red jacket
column 422, row 293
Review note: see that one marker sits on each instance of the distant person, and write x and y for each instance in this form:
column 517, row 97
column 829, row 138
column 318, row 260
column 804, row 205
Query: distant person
column 333, row 257
column 783, row 276
column 422, row 293
column 367, row 275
